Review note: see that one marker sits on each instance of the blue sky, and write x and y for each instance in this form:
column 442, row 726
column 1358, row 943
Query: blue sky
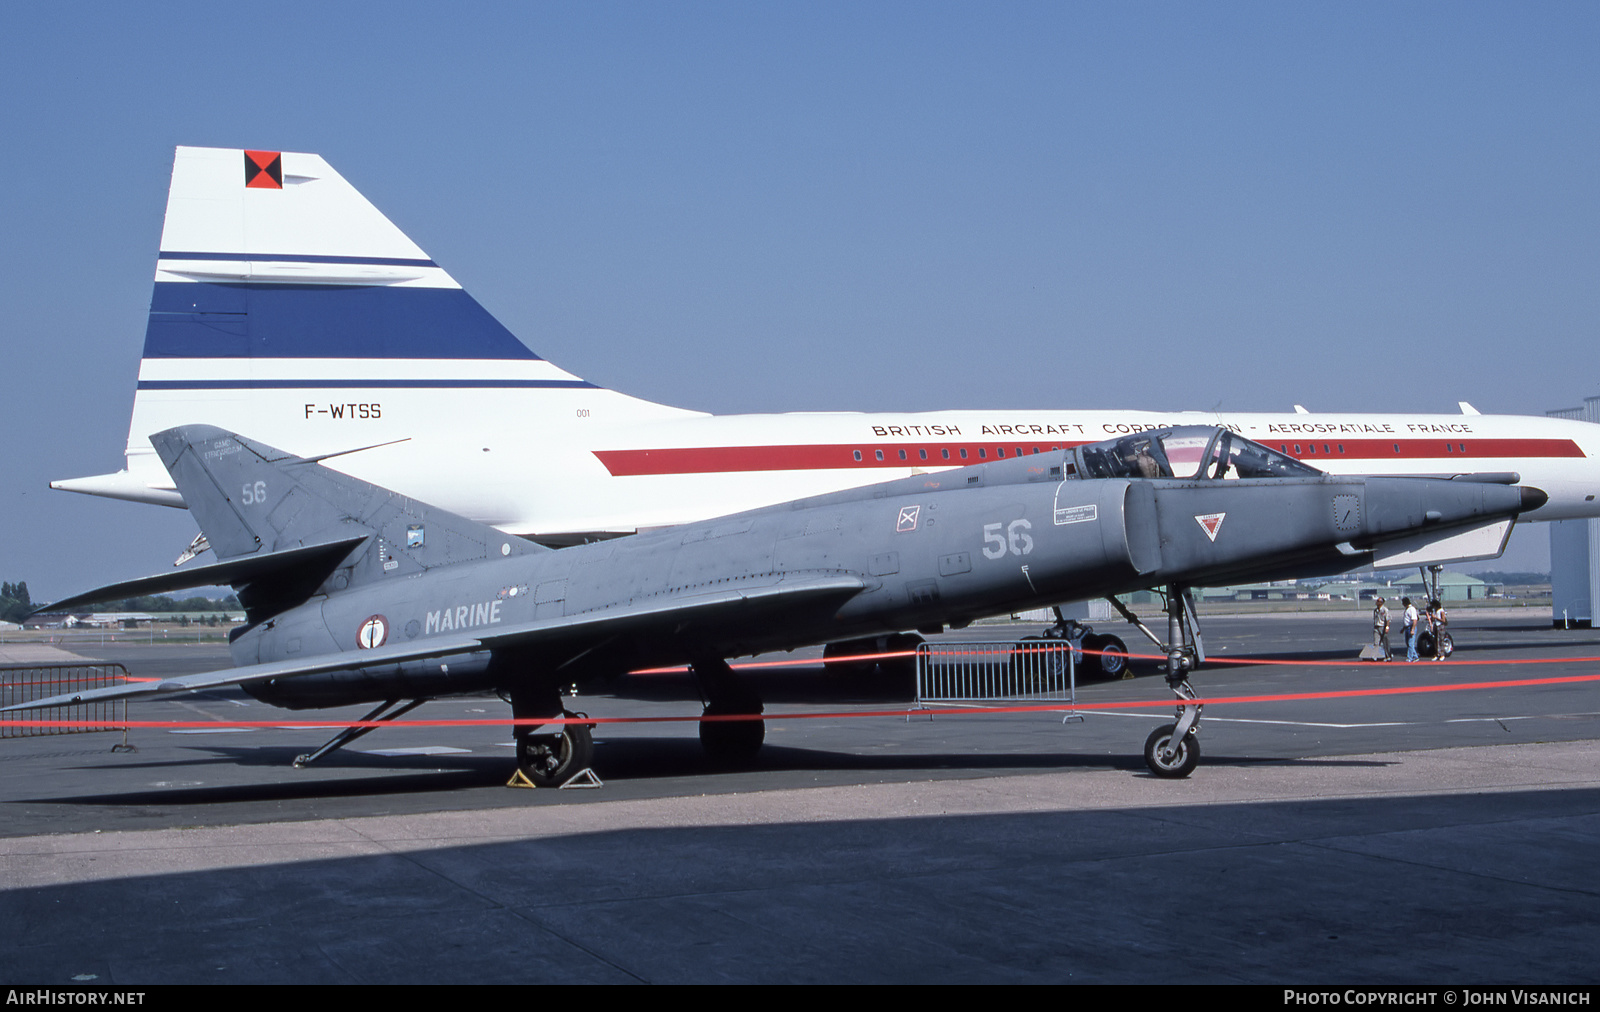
column 838, row 206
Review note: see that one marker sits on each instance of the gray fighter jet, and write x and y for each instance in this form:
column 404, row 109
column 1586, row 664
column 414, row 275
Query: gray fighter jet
column 356, row 594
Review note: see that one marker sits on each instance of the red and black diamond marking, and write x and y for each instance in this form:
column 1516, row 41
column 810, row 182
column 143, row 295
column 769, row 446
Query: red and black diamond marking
column 263, row 170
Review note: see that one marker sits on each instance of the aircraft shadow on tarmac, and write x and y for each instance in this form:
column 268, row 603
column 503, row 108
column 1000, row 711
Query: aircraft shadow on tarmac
column 619, row 761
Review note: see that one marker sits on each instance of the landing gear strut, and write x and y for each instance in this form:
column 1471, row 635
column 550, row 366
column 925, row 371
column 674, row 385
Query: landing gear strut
column 1172, row 750
column 350, row 734
column 1105, row 655
column 1434, row 642
column 727, row 695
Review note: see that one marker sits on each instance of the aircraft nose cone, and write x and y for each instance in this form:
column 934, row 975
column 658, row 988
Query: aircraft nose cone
column 1533, row 498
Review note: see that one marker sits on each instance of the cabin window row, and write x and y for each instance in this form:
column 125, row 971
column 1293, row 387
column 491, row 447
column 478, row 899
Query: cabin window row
column 1311, row 448
column 957, row 453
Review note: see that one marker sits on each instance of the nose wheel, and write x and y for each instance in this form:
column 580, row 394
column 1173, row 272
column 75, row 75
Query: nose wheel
column 1170, row 755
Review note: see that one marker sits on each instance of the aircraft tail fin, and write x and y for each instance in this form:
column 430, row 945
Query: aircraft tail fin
column 253, row 500
column 273, row 255
column 287, row 305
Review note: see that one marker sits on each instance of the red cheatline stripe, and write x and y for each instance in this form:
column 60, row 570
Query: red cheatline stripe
column 823, row 456
column 1401, row 690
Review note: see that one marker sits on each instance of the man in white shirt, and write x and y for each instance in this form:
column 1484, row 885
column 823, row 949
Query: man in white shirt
column 1411, row 628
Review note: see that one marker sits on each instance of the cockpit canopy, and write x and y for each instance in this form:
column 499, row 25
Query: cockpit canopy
column 1189, row 451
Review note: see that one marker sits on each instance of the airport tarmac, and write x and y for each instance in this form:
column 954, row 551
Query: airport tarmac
column 1441, row 836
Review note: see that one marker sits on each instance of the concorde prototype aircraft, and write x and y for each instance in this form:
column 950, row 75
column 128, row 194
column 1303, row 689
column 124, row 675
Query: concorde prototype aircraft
column 354, row 593
column 288, row 307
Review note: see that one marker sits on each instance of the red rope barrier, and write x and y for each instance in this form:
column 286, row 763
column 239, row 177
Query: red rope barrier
column 831, row 715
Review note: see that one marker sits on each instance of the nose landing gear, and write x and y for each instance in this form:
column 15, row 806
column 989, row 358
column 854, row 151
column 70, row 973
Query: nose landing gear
column 1170, row 755
column 1172, row 751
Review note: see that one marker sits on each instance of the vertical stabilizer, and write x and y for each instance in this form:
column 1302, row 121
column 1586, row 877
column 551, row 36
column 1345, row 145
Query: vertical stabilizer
column 286, row 305
column 251, row 498
column 271, row 257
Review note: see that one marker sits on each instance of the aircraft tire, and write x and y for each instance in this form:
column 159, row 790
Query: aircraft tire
column 732, row 741
column 1112, row 662
column 1182, row 764
column 1089, row 665
column 1425, row 644
column 1447, row 645
column 1046, row 673
column 550, row 760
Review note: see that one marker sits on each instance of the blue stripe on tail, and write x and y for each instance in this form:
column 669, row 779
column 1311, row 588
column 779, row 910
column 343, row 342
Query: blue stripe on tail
column 256, row 320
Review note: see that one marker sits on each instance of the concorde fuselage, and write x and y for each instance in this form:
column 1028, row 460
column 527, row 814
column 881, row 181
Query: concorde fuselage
column 287, row 306
column 555, row 462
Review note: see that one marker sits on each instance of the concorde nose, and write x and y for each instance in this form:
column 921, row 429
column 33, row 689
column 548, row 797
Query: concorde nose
column 1533, row 498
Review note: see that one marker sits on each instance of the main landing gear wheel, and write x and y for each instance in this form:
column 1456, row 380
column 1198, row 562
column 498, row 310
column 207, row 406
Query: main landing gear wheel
column 732, row 741
column 726, row 694
column 1428, row 648
column 550, row 760
column 1111, row 661
column 1183, row 758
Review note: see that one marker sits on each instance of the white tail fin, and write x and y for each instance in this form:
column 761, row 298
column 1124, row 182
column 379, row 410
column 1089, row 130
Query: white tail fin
column 267, row 256
column 286, row 305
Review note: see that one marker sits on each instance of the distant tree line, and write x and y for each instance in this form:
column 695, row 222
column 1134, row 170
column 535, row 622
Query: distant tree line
column 14, row 601
column 16, row 604
column 162, row 603
column 1512, row 579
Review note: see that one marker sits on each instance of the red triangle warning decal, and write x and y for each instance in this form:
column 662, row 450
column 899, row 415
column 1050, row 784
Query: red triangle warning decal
column 1210, row 523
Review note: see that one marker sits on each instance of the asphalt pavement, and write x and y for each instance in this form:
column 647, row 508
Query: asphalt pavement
column 1394, row 823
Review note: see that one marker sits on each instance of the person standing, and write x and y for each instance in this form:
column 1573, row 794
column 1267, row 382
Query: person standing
column 1380, row 629
column 1437, row 620
column 1411, row 627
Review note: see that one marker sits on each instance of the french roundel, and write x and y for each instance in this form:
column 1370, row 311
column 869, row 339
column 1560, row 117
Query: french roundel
column 374, row 633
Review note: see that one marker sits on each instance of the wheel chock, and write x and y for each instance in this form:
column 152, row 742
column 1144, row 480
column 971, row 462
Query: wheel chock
column 585, row 778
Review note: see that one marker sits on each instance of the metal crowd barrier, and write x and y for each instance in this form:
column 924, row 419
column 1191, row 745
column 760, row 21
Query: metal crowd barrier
column 24, row 683
column 1029, row 671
